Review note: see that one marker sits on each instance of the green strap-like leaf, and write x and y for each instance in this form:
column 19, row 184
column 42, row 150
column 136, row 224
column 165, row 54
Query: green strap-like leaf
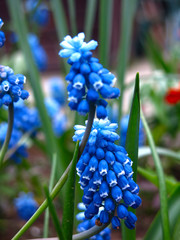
column 54, row 215
column 155, row 230
column 68, row 210
column 132, row 141
column 161, row 182
column 105, row 28
column 72, row 11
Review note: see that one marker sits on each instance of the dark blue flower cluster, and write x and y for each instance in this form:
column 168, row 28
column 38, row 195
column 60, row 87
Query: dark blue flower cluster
column 88, row 80
column 40, row 15
column 106, row 175
column 11, row 86
column 38, row 52
column 87, row 224
column 2, row 35
column 21, row 151
column 25, row 205
column 123, row 131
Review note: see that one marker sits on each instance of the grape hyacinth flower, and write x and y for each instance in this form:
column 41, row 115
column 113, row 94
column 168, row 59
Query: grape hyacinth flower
column 25, row 205
column 56, row 88
column 2, row 35
column 11, row 86
column 41, row 14
column 106, row 175
column 38, row 52
column 21, row 151
column 88, row 80
column 123, row 131
column 87, row 224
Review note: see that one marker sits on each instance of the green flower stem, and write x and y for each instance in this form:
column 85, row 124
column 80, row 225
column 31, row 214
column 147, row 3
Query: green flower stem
column 161, row 180
column 8, row 134
column 63, row 178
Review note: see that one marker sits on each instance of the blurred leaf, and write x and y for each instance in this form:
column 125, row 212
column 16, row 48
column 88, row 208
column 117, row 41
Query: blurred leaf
column 54, row 215
column 128, row 10
column 155, row 230
column 151, row 176
column 161, row 181
column 91, row 7
column 105, row 30
column 176, row 232
column 68, row 210
column 132, row 143
column 72, row 15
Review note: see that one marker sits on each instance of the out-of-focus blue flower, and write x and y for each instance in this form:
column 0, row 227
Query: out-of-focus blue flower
column 106, row 175
column 11, row 86
column 113, row 112
column 59, row 123
column 87, row 224
column 57, row 89
column 41, row 14
column 26, row 119
column 52, row 107
column 88, row 80
column 25, row 205
column 21, row 151
column 2, row 35
column 123, row 132
column 38, row 52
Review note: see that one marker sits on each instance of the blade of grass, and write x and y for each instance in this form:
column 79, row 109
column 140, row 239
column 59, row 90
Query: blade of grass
column 91, row 7
column 72, row 15
column 54, row 215
column 51, row 183
column 68, row 210
column 21, row 29
column 161, row 181
column 132, row 141
column 60, row 23
column 128, row 10
column 105, row 28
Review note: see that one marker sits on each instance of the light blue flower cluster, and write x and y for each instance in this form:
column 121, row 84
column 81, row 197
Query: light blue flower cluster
column 106, row 175
column 123, row 131
column 88, row 80
column 87, row 224
column 11, row 86
column 2, row 35
column 56, row 88
column 38, row 52
column 40, row 15
column 21, row 151
column 25, row 205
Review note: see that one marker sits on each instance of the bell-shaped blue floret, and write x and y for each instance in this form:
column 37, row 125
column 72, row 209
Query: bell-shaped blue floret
column 104, row 217
column 128, row 198
column 129, row 225
column 109, row 205
column 91, row 210
column 6, row 99
column 115, row 222
column 96, row 67
column 103, row 167
column 70, row 76
column 122, row 211
column 97, row 200
column 79, row 81
column 110, row 158
column 116, row 193
column 83, row 226
column 83, row 107
column 137, row 203
column 100, row 153
column 97, row 178
column 104, row 190
column 121, row 157
column 87, row 174
column 92, row 95
column 86, row 157
column 24, row 94
column 80, row 166
column 93, row 164
column 128, row 170
column 95, row 81
column 131, row 218
column 111, row 178
column 85, row 68
column 118, row 169
column 133, row 187
column 123, row 182
column 101, row 112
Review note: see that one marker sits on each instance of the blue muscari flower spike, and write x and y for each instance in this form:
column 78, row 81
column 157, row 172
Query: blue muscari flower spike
column 87, row 224
column 21, row 151
column 41, row 14
column 123, row 132
column 11, row 86
column 38, row 52
column 88, row 80
column 2, row 35
column 106, row 175
column 25, row 205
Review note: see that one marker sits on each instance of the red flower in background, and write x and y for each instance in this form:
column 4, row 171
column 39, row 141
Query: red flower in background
column 173, row 95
